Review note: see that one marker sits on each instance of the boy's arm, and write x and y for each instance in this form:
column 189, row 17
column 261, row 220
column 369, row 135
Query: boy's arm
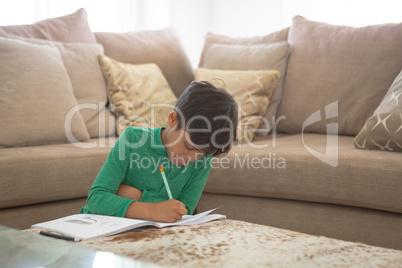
column 191, row 192
column 155, row 207
column 129, row 192
column 102, row 198
column 163, row 211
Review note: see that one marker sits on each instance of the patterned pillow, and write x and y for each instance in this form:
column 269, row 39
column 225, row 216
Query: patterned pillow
column 383, row 130
column 134, row 90
column 251, row 90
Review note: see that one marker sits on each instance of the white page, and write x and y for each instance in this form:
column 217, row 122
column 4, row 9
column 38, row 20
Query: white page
column 85, row 226
column 186, row 219
column 204, row 219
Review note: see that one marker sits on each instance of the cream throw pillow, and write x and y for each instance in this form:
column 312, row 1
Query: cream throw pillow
column 383, row 130
column 82, row 65
column 36, row 96
column 250, row 89
column 139, row 93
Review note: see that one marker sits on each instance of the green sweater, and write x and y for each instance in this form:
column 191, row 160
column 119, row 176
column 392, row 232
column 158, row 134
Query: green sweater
column 134, row 161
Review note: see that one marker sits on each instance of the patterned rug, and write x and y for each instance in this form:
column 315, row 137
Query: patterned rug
column 231, row 243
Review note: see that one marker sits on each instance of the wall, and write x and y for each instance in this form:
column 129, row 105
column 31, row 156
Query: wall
column 194, row 18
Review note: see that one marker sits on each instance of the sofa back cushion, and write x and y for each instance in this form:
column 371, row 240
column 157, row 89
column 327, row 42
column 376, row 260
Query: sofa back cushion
column 81, row 63
column 351, row 66
column 161, row 47
column 270, row 56
column 70, row 28
column 211, row 39
column 36, row 96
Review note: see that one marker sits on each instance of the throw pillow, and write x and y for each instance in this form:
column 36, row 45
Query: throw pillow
column 139, row 93
column 161, row 47
column 271, row 56
column 250, row 89
column 211, row 39
column 70, row 28
column 82, row 65
column 329, row 63
column 36, row 97
column 383, row 130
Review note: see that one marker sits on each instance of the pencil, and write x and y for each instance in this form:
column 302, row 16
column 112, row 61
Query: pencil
column 165, row 182
column 68, row 238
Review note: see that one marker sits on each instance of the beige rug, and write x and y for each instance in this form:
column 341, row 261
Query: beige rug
column 230, row 243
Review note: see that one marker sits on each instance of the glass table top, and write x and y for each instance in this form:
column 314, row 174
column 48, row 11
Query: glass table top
column 21, row 249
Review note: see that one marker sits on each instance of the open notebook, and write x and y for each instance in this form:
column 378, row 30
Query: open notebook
column 86, row 226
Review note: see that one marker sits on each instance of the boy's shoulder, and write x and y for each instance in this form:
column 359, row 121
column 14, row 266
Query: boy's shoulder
column 139, row 134
column 138, row 131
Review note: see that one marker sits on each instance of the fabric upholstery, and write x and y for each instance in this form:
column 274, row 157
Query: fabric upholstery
column 251, row 91
column 24, row 217
column 269, row 39
column 285, row 169
column 270, row 56
column 70, row 28
column 383, row 130
column 330, row 63
column 37, row 174
column 212, row 38
column 36, row 97
column 161, row 47
column 133, row 90
column 369, row 226
column 81, row 62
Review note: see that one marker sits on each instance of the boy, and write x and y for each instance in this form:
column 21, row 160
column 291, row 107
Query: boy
column 203, row 124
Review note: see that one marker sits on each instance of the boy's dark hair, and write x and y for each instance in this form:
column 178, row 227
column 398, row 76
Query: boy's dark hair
column 201, row 103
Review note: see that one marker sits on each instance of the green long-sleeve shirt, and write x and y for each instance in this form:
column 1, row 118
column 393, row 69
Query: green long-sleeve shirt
column 134, row 161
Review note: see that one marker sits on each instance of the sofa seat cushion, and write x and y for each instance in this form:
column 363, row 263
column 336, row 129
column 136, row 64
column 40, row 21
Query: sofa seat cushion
column 369, row 179
column 36, row 174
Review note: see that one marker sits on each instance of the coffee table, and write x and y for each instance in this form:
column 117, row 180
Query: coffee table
column 23, row 249
column 232, row 243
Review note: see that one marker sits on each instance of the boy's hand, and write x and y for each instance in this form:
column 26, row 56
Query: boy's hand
column 168, row 211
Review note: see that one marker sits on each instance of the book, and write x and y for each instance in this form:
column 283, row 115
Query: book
column 87, row 226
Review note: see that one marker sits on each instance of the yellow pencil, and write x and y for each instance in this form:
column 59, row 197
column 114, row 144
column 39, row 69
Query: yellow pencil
column 165, row 182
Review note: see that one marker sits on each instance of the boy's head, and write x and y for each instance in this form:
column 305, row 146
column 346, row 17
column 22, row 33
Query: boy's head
column 204, row 121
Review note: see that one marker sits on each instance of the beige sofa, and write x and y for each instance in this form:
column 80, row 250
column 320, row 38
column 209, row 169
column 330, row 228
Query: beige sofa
column 298, row 181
